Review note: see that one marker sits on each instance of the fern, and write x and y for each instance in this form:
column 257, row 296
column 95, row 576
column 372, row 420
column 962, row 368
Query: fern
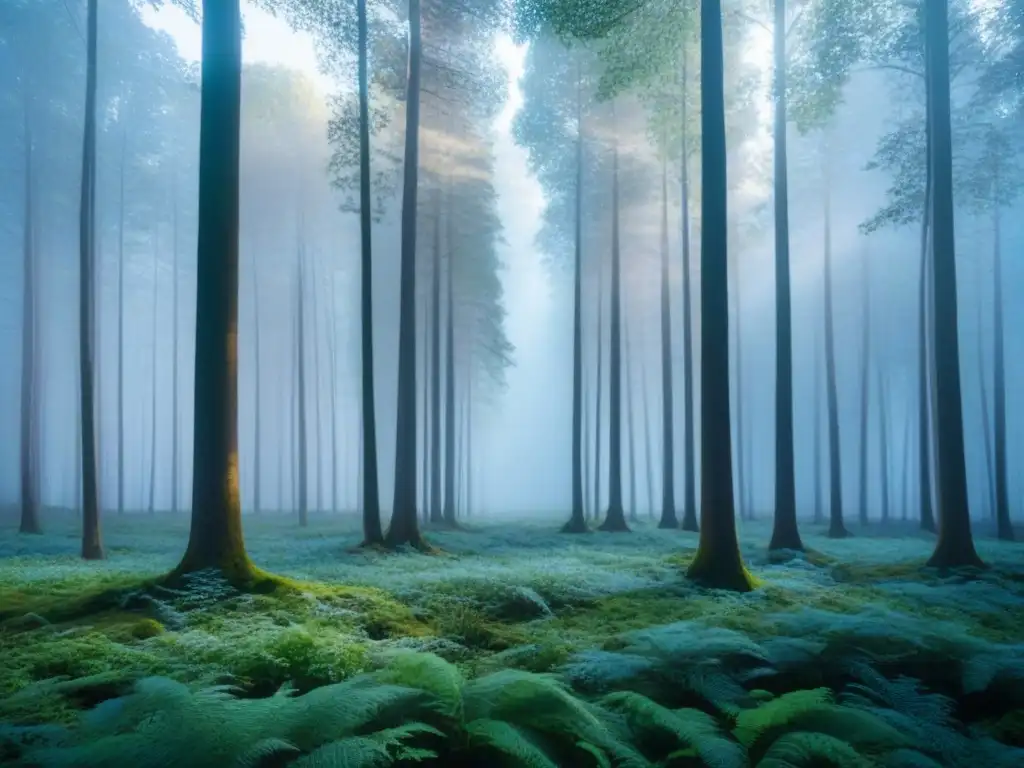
column 812, row 750
column 510, row 741
column 430, row 673
column 689, row 727
column 264, row 751
column 751, row 724
column 353, row 752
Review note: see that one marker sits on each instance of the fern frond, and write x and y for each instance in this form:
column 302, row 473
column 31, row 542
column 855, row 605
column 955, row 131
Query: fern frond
column 426, row 672
column 752, row 723
column 353, row 752
column 265, row 750
column 510, row 741
column 909, row 758
column 689, row 727
column 812, row 750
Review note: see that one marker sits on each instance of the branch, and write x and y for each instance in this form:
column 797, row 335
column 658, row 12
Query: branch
column 795, row 21
column 893, row 67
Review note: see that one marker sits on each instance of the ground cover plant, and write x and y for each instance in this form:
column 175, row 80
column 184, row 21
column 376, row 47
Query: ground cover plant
column 508, row 645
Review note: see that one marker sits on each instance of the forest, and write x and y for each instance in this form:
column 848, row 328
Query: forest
column 526, row 383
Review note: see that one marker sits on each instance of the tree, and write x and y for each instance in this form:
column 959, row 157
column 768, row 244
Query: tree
column 718, row 562
column 92, row 544
column 865, row 391
column 955, row 546
column 215, row 537
column 785, row 534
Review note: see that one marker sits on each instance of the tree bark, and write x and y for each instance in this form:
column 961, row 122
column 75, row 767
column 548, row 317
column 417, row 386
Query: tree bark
column 30, row 517
column 152, row 405
column 577, row 521
column 1004, row 527
column 120, row 328
column 630, row 418
column 648, row 447
column 668, row 517
column 300, row 350
column 718, row 562
column 425, row 463
column 689, row 445
column 332, row 352
column 404, row 528
column 370, row 496
column 986, row 426
column 955, row 545
column 907, row 436
column 92, row 542
column 819, row 497
column 600, row 386
column 836, row 528
column 436, row 516
column 215, row 539
column 257, row 502
column 883, row 446
column 865, row 389
column 317, row 388
column 615, row 518
column 741, row 438
column 175, row 418
column 449, row 394
column 785, row 533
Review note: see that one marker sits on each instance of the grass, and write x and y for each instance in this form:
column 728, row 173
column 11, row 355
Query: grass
column 493, row 596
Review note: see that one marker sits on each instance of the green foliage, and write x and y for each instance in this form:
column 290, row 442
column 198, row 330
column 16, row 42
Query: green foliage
column 808, row 750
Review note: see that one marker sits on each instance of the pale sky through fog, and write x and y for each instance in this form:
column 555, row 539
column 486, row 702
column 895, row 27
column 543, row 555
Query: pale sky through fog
column 527, row 407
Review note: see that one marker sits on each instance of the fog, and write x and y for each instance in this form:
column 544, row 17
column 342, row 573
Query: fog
column 514, row 335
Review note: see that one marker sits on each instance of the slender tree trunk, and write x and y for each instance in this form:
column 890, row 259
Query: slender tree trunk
column 865, row 389
column 370, row 495
column 630, row 417
column 883, row 446
column 689, row 443
column 648, row 447
column 175, row 418
column 818, row 495
column 615, row 518
column 600, row 386
column 152, row 405
column 741, row 440
column 1004, row 526
column 404, row 528
column 92, row 542
column 955, row 545
column 907, row 436
column 317, row 389
column 836, row 528
column 303, row 468
column 425, row 464
column 435, row 368
column 281, row 447
column 577, row 522
column 588, row 486
column 216, row 539
column 449, row 395
column 78, row 455
column 120, row 329
column 985, row 416
column 718, row 562
column 469, row 445
column 332, row 340
column 925, row 432
column 257, row 504
column 668, row 501
column 30, row 518
column 785, row 533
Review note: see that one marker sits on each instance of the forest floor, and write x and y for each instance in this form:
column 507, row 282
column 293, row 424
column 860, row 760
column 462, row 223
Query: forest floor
column 852, row 655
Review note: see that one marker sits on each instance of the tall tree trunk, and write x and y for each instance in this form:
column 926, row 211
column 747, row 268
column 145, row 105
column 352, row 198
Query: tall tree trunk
column 281, row 447
column 120, row 329
column 689, row 444
column 600, row 386
column 152, row 405
column 449, row 394
column 615, row 518
column 332, row 340
column 836, row 528
column 648, row 447
column 577, row 522
column 588, row 486
column 883, row 446
column 317, row 388
column 955, row 545
column 404, row 528
column 92, row 542
column 865, row 389
column 435, row 367
column 741, row 438
column 370, row 495
column 300, row 349
column 257, row 480
column 30, row 518
column 985, row 416
column 469, row 445
column 175, row 418
column 630, row 417
column 925, row 427
column 668, row 517
column 717, row 562
column 1004, row 526
column 905, row 495
column 819, row 497
column 785, row 533
column 216, row 538
column 425, row 462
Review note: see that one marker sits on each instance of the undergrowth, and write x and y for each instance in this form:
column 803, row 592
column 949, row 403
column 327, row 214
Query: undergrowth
column 513, row 646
